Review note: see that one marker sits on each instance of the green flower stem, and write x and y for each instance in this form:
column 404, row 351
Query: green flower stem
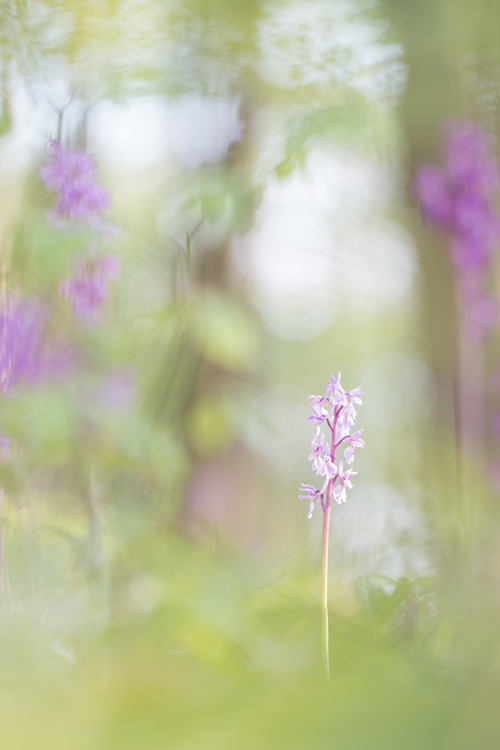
column 324, row 580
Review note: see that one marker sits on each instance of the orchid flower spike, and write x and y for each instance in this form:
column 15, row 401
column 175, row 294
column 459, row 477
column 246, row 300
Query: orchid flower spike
column 335, row 412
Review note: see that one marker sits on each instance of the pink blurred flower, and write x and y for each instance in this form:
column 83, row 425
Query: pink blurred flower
column 432, row 190
column 72, row 173
column 459, row 198
column 6, row 445
column 27, row 353
column 88, row 288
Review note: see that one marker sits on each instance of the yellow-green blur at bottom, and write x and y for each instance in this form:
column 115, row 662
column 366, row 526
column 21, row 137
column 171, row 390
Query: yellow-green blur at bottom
column 201, row 651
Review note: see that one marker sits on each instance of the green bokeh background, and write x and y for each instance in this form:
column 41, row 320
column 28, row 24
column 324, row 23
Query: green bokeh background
column 160, row 578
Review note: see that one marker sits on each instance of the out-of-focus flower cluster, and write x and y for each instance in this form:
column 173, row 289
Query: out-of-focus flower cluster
column 88, row 287
column 27, row 354
column 459, row 197
column 31, row 352
column 336, row 413
column 72, row 173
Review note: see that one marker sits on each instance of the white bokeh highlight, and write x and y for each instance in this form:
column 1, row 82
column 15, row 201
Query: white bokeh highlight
column 321, row 240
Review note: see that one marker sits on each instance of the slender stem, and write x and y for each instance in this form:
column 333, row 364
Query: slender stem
column 324, row 566
column 95, row 542
column 324, row 580
column 471, row 411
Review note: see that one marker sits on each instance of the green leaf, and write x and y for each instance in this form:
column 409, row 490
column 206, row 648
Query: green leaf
column 213, row 205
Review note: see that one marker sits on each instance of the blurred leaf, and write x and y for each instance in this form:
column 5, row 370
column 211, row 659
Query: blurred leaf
column 209, row 425
column 223, row 332
column 286, row 167
column 344, row 122
column 43, row 420
column 153, row 451
column 213, row 205
column 5, row 122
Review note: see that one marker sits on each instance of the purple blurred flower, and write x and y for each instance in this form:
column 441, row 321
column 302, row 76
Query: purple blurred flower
column 72, row 173
column 337, row 410
column 88, row 288
column 468, row 155
column 459, row 198
column 6, row 444
column 482, row 308
column 20, row 336
column 26, row 353
column 433, row 193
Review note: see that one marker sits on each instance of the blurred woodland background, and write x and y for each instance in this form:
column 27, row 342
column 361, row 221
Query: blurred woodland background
column 159, row 580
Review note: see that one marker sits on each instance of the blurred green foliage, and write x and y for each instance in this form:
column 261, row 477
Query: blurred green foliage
column 131, row 615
